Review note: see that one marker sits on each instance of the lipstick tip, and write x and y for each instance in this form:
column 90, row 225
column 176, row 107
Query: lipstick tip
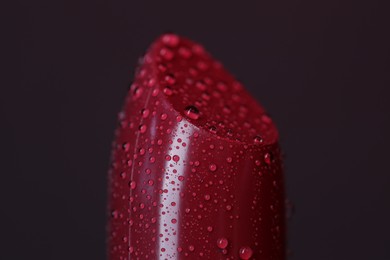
column 201, row 90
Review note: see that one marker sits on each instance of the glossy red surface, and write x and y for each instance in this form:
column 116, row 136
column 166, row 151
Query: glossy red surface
column 196, row 170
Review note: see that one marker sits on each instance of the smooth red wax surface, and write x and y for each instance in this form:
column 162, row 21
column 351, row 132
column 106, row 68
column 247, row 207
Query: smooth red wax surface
column 196, row 171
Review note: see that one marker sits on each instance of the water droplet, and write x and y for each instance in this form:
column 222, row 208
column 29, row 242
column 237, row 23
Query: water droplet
column 170, row 79
column 152, row 82
column 213, row 167
column 245, row 252
column 168, row 91
column 192, row 112
column 126, row 147
column 142, row 151
column 222, row 243
column 170, row 40
column 164, row 116
column 268, row 158
column 201, row 85
column 206, row 96
column 213, row 129
column 201, row 65
column 185, row 53
column 129, row 163
column 114, row 214
column 176, row 158
column 155, row 92
column 258, row 139
column 137, row 92
column 162, row 67
column 132, row 185
column 167, row 54
column 191, row 248
column 145, row 113
column 222, row 86
column 142, row 129
column 226, row 110
column 174, row 221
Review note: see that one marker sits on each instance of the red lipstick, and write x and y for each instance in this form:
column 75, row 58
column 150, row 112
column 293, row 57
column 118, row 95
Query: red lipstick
column 196, row 170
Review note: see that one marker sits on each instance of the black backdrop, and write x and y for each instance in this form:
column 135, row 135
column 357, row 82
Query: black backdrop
column 319, row 67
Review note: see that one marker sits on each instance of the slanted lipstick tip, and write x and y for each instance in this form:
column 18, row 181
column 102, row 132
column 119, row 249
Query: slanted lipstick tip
column 200, row 89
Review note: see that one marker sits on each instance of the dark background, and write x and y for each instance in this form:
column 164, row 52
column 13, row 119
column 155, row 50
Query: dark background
column 321, row 69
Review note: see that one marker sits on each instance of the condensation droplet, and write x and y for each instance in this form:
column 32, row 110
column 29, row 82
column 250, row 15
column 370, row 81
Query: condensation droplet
column 201, row 85
column 170, row 79
column 164, row 116
column 126, row 147
column 137, row 92
column 268, row 158
column 213, row 167
column 167, row 54
column 222, row 86
column 168, row 91
column 171, row 40
column 192, row 112
column 145, row 113
column 114, row 214
column 213, row 129
column 222, row 243
column 258, row 139
column 142, row 129
column 245, row 252
column 185, row 52
column 132, row 185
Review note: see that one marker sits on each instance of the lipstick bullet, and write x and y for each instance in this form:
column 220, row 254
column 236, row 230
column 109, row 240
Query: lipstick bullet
column 196, row 165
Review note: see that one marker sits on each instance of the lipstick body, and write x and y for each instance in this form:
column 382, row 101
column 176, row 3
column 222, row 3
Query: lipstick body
column 193, row 177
